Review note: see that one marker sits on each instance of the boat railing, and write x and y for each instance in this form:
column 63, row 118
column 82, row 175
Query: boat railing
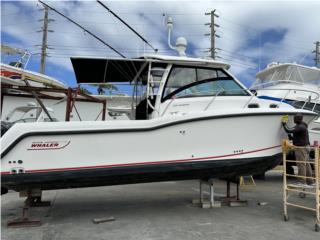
column 212, row 100
column 309, row 99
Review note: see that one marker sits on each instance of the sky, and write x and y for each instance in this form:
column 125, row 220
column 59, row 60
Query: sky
column 252, row 33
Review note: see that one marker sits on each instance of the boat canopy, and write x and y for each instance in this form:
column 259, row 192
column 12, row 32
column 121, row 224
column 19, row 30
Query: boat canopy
column 289, row 72
column 102, row 70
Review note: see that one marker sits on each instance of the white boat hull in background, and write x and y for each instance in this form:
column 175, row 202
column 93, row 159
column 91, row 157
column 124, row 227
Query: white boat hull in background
column 314, row 131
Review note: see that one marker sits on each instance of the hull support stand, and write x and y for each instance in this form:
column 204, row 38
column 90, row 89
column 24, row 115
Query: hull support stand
column 217, row 201
column 206, row 203
column 233, row 201
column 24, row 221
column 34, row 199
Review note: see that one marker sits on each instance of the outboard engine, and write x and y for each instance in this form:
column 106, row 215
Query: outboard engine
column 5, row 127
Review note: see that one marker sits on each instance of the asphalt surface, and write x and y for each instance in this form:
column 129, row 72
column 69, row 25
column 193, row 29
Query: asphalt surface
column 160, row 211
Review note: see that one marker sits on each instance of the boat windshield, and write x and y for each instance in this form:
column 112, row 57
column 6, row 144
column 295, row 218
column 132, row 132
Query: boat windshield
column 198, row 82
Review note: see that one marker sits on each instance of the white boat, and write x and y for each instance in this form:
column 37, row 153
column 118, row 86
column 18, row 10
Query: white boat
column 53, row 93
column 190, row 118
column 291, row 83
column 29, row 113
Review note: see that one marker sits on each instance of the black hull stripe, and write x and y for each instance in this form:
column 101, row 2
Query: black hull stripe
column 230, row 168
column 99, row 131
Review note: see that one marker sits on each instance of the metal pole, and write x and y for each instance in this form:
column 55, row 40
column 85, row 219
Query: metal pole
column 317, row 177
column 285, row 192
column 200, row 191
column 228, row 189
column 211, row 194
column 44, row 41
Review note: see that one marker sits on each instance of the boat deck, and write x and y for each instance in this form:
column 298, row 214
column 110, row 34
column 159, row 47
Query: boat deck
column 159, row 211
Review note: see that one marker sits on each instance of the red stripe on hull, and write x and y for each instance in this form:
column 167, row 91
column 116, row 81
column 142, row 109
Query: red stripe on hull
column 142, row 163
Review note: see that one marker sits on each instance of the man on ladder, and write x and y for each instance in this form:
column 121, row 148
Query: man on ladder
column 300, row 138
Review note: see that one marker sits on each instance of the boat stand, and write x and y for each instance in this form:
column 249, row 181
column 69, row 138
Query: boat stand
column 206, row 203
column 34, row 199
column 212, row 201
column 37, row 202
column 233, row 201
column 24, row 220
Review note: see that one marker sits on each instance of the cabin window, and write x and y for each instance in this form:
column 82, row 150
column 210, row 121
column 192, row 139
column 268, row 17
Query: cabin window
column 180, row 77
column 196, row 82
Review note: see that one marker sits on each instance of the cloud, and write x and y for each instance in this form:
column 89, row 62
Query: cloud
column 242, row 23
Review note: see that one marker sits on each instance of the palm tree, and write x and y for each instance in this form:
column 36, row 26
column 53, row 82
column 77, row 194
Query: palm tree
column 108, row 86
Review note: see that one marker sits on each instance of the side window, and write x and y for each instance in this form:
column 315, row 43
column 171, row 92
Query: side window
column 203, row 74
column 221, row 74
column 178, row 78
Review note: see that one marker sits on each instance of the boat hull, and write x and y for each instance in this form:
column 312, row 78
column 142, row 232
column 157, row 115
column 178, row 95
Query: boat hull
column 226, row 145
column 230, row 168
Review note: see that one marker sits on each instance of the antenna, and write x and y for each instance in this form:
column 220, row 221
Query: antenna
column 181, row 42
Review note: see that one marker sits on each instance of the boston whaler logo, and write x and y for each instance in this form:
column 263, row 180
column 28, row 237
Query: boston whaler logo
column 48, row 145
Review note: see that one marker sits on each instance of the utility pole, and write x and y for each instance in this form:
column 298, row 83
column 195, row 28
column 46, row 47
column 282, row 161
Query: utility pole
column 317, row 52
column 213, row 34
column 44, row 45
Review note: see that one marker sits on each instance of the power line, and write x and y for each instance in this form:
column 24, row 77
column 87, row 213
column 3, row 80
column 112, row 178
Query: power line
column 11, row 14
column 239, row 63
column 238, row 24
column 127, row 25
column 17, row 23
column 245, row 56
column 84, row 29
